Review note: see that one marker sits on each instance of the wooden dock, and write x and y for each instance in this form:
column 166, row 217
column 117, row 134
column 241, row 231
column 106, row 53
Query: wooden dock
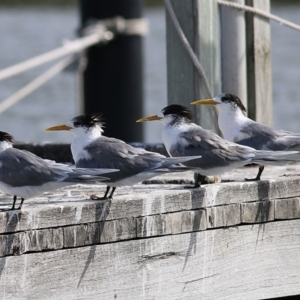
column 229, row 240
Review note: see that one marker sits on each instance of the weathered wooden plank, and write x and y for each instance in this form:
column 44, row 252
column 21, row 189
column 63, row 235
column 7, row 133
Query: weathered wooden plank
column 224, row 216
column 207, row 48
column 259, row 70
column 81, row 235
column 287, row 208
column 243, row 262
column 198, row 20
column 189, row 221
column 118, row 230
column 147, row 226
column 41, row 240
column 10, row 244
column 143, row 200
column 233, row 53
column 154, row 225
column 256, row 212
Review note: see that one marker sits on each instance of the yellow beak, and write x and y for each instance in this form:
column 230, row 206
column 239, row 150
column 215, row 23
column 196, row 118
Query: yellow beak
column 58, row 127
column 149, row 118
column 205, row 102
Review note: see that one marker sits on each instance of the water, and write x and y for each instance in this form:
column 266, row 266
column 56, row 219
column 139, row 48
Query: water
column 286, row 69
column 57, row 101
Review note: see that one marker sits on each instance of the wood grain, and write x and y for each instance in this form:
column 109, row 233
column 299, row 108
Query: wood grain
column 242, row 262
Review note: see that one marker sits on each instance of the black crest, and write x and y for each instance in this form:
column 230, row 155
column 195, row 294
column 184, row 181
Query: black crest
column 233, row 99
column 4, row 136
column 178, row 111
column 88, row 120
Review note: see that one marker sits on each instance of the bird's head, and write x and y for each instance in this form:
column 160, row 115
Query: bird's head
column 224, row 102
column 171, row 114
column 82, row 125
column 6, row 140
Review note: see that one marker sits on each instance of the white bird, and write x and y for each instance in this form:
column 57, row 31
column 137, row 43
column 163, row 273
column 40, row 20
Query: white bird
column 25, row 175
column 90, row 149
column 236, row 127
column 182, row 137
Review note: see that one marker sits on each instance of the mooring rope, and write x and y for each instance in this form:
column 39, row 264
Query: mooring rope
column 188, row 48
column 36, row 83
column 101, row 32
column 260, row 13
column 68, row 48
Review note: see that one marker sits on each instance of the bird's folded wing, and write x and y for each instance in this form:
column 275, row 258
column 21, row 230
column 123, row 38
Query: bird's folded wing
column 22, row 168
column 215, row 151
column 112, row 153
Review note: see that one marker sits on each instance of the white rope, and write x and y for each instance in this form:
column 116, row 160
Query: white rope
column 101, row 32
column 188, row 48
column 119, row 25
column 68, row 48
column 36, row 83
column 259, row 12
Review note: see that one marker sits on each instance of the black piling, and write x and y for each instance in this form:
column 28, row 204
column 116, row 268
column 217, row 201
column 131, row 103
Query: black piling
column 112, row 81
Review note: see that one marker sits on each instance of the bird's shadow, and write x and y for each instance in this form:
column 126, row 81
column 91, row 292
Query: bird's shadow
column 12, row 218
column 263, row 210
column 102, row 211
column 197, row 196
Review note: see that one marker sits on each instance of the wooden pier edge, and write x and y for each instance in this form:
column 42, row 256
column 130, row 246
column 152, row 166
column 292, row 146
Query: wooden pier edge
column 234, row 240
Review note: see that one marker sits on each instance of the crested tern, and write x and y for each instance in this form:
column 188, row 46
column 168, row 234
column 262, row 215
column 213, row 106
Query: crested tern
column 25, row 175
column 237, row 128
column 90, row 149
column 182, row 137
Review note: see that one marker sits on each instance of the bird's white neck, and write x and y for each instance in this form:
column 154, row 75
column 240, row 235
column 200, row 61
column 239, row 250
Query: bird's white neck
column 171, row 134
column 5, row 145
column 80, row 141
column 230, row 121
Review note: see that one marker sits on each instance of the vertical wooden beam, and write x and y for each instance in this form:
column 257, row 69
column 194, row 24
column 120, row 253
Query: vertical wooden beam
column 199, row 22
column 112, row 79
column 260, row 106
column 233, row 57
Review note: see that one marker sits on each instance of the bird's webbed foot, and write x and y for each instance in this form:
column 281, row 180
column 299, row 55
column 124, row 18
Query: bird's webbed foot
column 257, row 178
column 105, row 197
column 199, row 179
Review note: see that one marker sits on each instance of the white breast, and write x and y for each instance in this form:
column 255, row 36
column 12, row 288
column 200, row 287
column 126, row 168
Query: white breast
column 231, row 125
column 77, row 149
column 171, row 135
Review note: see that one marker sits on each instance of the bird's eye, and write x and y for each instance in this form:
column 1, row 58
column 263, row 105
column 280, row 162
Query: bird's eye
column 77, row 124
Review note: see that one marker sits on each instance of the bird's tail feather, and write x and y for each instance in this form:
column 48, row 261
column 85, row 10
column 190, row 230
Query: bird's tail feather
column 176, row 169
column 276, row 157
column 92, row 172
column 87, row 179
column 87, row 175
column 170, row 161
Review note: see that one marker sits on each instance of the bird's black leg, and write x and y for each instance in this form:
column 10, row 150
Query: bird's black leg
column 21, row 203
column 260, row 170
column 198, row 180
column 14, row 203
column 112, row 192
column 94, row 197
column 106, row 193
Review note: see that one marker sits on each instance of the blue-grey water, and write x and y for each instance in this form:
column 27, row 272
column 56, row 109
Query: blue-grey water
column 29, row 31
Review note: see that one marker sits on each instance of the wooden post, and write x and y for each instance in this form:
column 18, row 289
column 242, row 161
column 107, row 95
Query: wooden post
column 199, row 22
column 233, row 57
column 259, row 64
column 112, row 80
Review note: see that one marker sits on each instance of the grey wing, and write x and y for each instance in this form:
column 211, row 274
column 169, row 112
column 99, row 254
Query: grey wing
column 22, row 168
column 263, row 137
column 215, row 151
column 113, row 153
